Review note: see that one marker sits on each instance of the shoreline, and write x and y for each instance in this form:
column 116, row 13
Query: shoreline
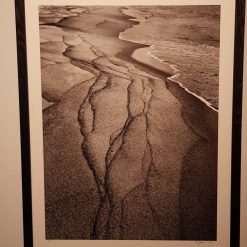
column 192, row 105
column 207, row 126
column 158, row 65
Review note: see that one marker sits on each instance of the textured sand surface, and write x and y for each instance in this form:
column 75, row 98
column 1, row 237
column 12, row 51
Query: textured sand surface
column 125, row 158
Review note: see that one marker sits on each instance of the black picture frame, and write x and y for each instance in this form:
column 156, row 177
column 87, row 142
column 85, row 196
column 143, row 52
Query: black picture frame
column 236, row 122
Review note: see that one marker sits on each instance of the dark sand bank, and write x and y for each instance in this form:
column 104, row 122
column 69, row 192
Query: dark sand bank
column 124, row 158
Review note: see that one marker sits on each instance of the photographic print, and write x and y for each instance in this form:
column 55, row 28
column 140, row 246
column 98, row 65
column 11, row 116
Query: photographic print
column 130, row 98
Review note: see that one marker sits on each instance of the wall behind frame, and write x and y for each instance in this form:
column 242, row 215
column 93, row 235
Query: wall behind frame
column 10, row 171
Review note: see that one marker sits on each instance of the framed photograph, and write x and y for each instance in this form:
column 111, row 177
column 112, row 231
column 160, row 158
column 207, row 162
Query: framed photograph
column 130, row 116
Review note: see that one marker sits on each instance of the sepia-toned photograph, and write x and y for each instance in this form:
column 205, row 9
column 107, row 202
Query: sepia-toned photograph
column 130, row 98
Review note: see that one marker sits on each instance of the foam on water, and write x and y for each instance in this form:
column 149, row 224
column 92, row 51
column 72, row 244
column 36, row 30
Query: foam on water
column 159, row 64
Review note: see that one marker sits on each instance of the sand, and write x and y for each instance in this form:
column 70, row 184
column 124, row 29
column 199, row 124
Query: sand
column 127, row 156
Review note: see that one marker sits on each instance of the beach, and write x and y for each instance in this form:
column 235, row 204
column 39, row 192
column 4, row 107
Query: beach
column 128, row 152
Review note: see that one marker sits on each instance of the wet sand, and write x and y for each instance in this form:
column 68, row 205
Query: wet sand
column 127, row 156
